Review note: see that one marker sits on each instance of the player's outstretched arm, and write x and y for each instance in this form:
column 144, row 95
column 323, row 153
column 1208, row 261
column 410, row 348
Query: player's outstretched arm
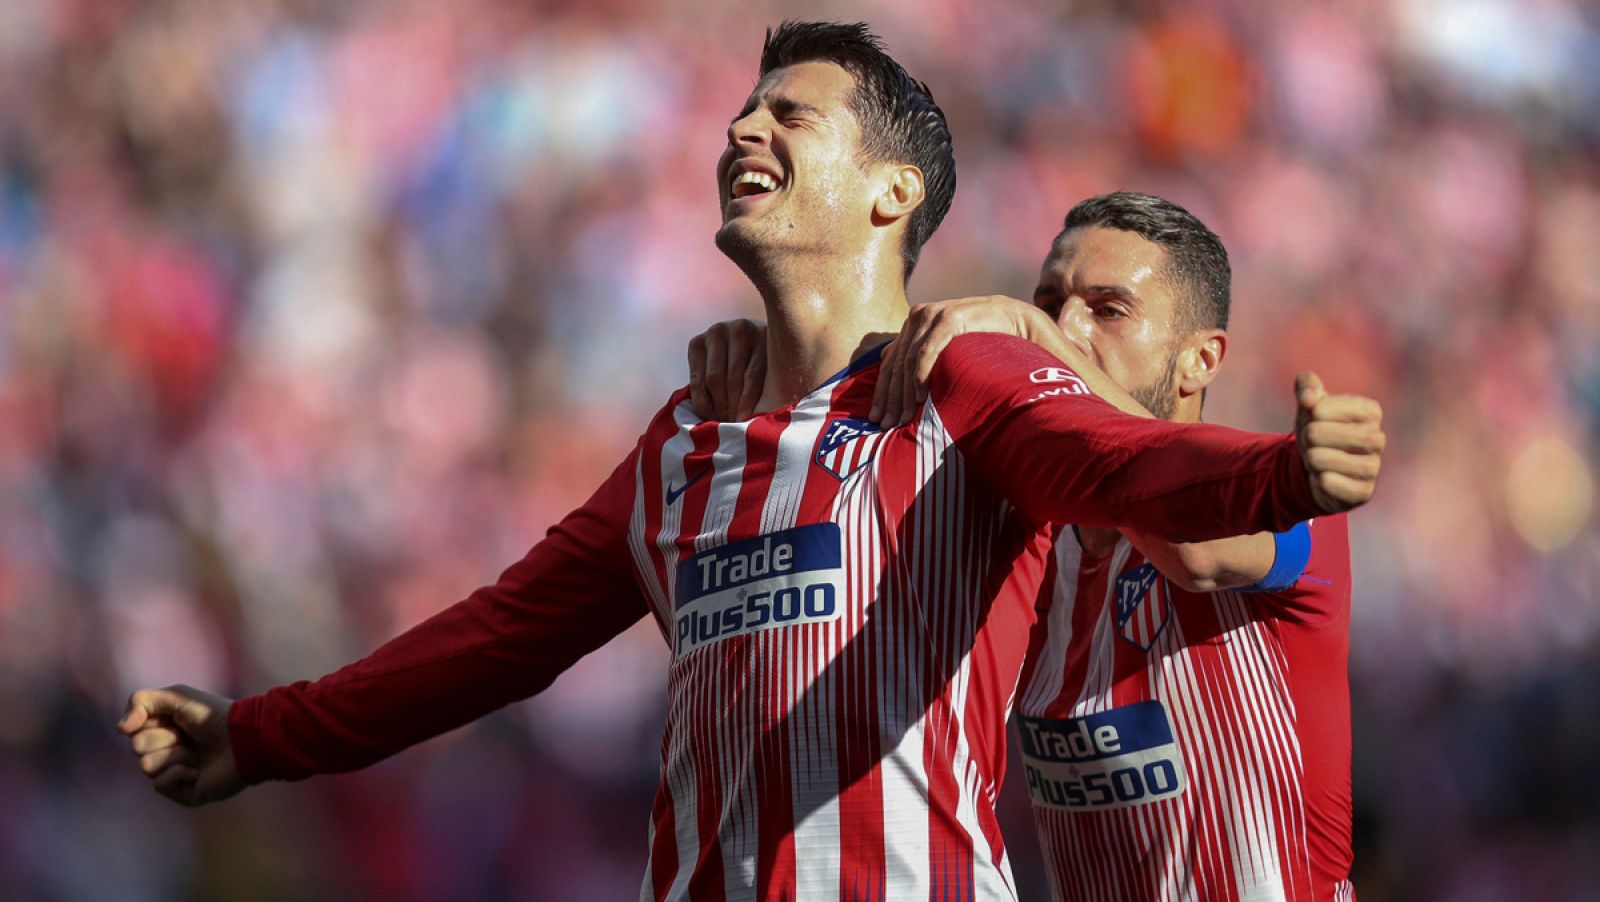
column 908, row 364
column 727, row 369
column 571, row 593
column 180, row 736
column 1197, row 566
column 1034, row 431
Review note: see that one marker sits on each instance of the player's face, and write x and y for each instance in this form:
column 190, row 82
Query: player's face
column 790, row 178
column 1108, row 290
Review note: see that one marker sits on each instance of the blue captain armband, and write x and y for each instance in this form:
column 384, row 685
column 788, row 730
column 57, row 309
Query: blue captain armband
column 1292, row 551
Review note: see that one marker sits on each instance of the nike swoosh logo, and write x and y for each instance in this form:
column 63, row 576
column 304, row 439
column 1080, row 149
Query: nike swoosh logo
column 673, row 494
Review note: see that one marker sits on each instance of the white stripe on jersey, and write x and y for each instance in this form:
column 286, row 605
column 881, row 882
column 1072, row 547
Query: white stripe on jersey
column 1051, row 667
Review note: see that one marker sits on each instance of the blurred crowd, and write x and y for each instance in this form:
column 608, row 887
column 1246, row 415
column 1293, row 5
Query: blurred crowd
column 314, row 315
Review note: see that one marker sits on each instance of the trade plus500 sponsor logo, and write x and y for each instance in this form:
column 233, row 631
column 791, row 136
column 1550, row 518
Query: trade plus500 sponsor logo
column 1113, row 759
column 779, row 579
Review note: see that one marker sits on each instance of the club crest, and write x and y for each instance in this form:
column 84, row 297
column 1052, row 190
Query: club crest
column 846, row 445
column 1143, row 606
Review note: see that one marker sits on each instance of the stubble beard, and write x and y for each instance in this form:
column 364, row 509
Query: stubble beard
column 1159, row 396
column 762, row 249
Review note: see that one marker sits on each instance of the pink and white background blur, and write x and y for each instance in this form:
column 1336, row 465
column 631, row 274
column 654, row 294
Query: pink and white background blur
column 314, row 315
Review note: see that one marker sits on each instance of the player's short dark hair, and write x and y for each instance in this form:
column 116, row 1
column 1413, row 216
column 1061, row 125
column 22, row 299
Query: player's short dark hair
column 1196, row 260
column 900, row 123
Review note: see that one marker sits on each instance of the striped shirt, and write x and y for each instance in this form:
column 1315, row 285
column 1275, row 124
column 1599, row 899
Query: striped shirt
column 1184, row 745
column 847, row 608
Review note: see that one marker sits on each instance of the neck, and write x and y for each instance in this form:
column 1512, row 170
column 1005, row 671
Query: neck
column 819, row 318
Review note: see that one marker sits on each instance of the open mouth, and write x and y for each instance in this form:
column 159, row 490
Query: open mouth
column 752, row 184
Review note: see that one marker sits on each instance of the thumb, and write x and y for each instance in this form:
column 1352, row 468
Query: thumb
column 1308, row 390
column 174, row 702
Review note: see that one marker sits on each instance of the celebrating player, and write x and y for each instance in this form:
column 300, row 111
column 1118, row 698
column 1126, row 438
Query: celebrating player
column 1184, row 713
column 847, row 607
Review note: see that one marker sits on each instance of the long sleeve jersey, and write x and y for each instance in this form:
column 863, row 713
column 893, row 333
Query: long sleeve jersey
column 847, row 608
column 1192, row 744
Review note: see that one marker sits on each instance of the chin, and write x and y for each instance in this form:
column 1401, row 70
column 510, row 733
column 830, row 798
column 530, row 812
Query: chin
column 737, row 242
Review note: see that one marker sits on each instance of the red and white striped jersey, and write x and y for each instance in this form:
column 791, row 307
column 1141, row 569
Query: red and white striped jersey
column 848, row 611
column 1183, row 745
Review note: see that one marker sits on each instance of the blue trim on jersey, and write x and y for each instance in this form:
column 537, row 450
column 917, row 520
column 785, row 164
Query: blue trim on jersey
column 1292, row 551
column 857, row 365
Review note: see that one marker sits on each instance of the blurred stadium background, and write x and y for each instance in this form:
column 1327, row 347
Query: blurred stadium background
column 314, row 315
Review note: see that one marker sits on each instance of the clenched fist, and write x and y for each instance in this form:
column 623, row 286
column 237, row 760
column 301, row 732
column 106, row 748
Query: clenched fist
column 180, row 736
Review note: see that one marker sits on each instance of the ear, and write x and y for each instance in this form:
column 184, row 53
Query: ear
column 1200, row 359
column 902, row 193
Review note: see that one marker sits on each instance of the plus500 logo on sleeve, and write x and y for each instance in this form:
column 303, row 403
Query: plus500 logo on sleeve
column 1113, row 759
column 779, row 579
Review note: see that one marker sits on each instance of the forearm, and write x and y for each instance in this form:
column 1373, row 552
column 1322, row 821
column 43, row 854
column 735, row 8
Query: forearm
column 571, row 593
column 1208, row 566
column 459, row 665
column 1062, row 455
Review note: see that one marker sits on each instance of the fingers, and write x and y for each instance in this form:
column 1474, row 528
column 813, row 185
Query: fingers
column 1347, row 409
column 1345, row 463
column 728, row 370
column 1339, row 492
column 902, row 397
column 699, row 398
column 716, row 368
column 158, row 761
column 933, row 344
column 154, row 738
column 1359, row 438
column 755, row 378
column 893, row 378
column 742, row 339
column 886, row 389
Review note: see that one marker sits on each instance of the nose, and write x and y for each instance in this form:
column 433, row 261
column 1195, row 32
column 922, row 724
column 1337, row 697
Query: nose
column 1076, row 322
column 753, row 128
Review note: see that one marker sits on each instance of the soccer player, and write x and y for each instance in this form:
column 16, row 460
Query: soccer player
column 1184, row 713
column 847, row 607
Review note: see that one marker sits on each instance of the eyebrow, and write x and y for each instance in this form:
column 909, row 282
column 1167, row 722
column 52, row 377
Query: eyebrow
column 780, row 106
column 1115, row 292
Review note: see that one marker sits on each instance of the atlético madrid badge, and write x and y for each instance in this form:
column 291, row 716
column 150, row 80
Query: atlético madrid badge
column 1143, row 606
column 846, row 445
